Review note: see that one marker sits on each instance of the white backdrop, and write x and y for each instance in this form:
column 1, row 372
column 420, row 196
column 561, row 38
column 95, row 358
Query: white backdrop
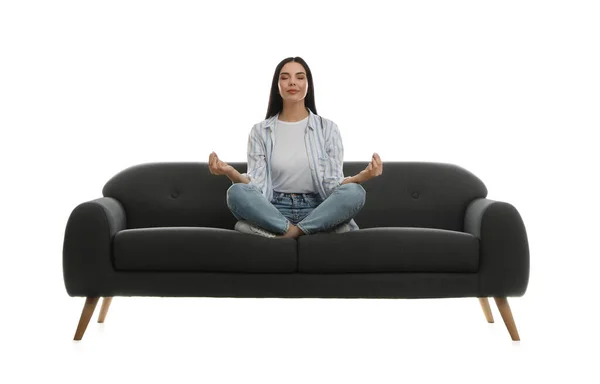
column 508, row 90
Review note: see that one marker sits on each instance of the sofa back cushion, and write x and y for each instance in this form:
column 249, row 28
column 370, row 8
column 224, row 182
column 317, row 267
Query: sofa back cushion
column 417, row 194
column 407, row 194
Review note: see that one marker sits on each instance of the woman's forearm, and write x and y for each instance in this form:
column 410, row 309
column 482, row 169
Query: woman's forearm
column 354, row 179
column 237, row 177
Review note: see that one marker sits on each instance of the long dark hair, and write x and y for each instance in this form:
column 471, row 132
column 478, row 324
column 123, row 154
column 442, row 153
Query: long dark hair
column 275, row 99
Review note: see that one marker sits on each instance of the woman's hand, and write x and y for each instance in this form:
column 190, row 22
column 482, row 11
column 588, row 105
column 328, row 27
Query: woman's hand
column 218, row 167
column 374, row 169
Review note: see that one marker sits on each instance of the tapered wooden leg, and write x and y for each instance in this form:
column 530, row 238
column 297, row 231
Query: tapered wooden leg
column 507, row 316
column 86, row 315
column 105, row 304
column 487, row 311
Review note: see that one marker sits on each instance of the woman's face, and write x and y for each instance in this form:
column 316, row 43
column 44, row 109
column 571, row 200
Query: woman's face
column 292, row 77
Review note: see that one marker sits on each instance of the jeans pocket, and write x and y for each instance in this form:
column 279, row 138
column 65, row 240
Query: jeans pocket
column 276, row 199
column 314, row 202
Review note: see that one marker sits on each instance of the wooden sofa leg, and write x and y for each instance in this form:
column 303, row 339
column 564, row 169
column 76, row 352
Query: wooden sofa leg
column 507, row 316
column 104, row 310
column 487, row 311
column 86, row 315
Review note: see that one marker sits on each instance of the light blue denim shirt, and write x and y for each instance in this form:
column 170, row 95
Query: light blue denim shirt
column 323, row 146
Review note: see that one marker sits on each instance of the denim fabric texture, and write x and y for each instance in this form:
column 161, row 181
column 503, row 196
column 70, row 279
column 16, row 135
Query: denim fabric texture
column 307, row 211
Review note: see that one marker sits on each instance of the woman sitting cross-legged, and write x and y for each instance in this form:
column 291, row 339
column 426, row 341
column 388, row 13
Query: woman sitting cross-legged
column 295, row 184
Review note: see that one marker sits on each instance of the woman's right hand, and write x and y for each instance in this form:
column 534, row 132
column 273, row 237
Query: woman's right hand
column 218, row 167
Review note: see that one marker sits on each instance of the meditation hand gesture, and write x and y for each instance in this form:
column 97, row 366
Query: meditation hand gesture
column 374, row 169
column 218, row 167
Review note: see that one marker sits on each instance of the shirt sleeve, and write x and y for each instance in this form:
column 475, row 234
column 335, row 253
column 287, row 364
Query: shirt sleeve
column 334, row 165
column 257, row 162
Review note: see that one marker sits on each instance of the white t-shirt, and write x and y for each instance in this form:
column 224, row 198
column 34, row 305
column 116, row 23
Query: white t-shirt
column 289, row 162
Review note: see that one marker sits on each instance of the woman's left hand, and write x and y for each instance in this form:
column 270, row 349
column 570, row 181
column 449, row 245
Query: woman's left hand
column 374, row 169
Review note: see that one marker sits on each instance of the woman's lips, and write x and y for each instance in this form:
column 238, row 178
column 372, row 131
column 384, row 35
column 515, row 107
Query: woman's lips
column 293, row 91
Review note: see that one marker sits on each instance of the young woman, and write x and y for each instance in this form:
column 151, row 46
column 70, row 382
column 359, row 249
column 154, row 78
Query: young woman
column 295, row 183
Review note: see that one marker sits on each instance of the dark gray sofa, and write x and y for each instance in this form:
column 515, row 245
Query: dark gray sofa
column 427, row 230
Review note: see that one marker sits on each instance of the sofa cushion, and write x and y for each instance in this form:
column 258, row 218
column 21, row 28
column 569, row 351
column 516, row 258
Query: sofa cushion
column 390, row 249
column 201, row 249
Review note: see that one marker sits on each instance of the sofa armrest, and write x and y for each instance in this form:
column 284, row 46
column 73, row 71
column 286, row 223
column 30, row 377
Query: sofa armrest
column 87, row 246
column 504, row 248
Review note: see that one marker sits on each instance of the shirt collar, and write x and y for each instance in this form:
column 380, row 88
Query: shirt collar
column 312, row 120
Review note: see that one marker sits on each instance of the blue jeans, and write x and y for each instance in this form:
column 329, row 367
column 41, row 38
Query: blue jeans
column 308, row 211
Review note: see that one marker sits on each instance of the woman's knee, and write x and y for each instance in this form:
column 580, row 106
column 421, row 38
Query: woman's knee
column 356, row 190
column 237, row 191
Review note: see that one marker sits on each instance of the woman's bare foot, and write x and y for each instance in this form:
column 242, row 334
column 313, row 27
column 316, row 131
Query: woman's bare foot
column 292, row 233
